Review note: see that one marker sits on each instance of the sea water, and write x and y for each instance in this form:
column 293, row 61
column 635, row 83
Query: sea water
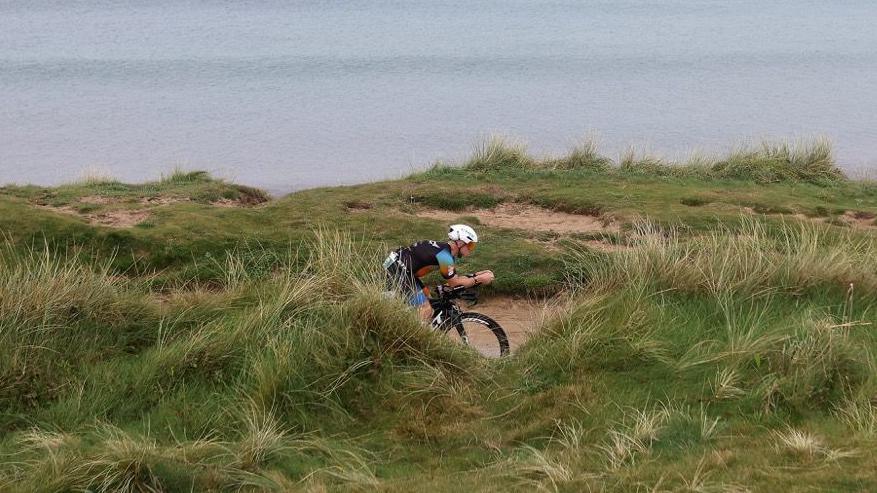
column 292, row 94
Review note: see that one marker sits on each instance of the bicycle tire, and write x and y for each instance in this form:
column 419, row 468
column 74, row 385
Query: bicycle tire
column 495, row 345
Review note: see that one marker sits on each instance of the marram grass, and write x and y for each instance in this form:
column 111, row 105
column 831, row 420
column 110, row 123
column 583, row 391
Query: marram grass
column 737, row 360
column 801, row 161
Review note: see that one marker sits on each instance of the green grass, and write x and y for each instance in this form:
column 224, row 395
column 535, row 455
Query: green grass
column 249, row 348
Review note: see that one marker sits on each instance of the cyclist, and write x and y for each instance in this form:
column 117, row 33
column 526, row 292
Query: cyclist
column 405, row 266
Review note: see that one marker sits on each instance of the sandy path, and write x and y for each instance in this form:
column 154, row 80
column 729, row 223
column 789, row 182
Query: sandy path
column 519, row 317
column 529, row 217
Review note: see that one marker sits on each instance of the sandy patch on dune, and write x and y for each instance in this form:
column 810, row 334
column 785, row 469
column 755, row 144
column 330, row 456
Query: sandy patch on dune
column 852, row 218
column 529, row 217
column 599, row 245
column 228, row 203
column 242, row 202
column 126, row 218
column 123, row 218
column 153, row 201
column 519, row 317
column 859, row 219
column 97, row 199
column 120, row 218
column 357, row 206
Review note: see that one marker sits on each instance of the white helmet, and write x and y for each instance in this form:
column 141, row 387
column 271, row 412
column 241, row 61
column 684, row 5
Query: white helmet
column 463, row 233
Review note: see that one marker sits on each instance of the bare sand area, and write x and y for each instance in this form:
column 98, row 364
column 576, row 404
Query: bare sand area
column 529, row 217
column 119, row 218
column 127, row 213
column 519, row 317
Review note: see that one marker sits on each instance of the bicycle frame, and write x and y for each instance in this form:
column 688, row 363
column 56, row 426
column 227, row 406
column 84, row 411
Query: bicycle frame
column 445, row 312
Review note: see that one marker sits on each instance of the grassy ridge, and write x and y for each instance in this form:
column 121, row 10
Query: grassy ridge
column 724, row 346
column 729, row 361
column 184, row 232
column 809, row 161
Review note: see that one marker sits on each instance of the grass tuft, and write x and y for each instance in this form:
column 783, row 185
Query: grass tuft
column 859, row 415
column 263, row 438
column 805, row 161
column 95, row 175
column 180, row 176
column 799, row 443
column 498, row 154
column 538, row 469
column 583, row 157
column 639, row 162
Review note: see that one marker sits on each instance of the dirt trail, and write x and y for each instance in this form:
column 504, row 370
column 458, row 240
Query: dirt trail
column 520, row 317
column 529, row 217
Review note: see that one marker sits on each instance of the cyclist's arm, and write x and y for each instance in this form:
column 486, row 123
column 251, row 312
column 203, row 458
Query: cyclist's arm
column 448, row 270
column 482, row 277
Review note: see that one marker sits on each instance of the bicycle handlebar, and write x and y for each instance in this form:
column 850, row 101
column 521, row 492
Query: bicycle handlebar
column 470, row 295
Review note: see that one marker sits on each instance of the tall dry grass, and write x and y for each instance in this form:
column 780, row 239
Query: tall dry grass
column 56, row 312
column 747, row 259
column 293, row 346
column 802, row 160
column 737, row 285
column 497, row 153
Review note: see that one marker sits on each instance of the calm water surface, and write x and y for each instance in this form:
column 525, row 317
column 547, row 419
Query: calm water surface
column 287, row 95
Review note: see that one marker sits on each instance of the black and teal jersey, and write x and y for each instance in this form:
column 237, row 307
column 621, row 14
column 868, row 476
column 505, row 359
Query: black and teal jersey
column 423, row 257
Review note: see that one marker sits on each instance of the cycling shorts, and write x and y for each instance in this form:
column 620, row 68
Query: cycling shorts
column 401, row 280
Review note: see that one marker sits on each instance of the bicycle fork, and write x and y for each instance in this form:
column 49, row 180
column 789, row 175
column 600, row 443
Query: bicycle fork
column 439, row 320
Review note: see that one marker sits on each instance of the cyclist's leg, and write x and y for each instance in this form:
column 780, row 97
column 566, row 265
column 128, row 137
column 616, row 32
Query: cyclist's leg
column 420, row 299
column 411, row 288
column 398, row 279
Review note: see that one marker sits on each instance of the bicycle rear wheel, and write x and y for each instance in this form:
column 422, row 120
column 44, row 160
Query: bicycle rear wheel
column 482, row 333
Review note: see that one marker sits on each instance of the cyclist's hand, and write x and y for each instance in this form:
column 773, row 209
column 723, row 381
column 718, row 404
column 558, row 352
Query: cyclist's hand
column 484, row 277
column 447, row 288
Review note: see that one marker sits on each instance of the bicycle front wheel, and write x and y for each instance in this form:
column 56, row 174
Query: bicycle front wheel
column 482, row 333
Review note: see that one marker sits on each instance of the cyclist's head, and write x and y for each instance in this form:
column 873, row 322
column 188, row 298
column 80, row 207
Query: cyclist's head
column 464, row 235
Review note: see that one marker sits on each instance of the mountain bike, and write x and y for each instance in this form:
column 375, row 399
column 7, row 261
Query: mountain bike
column 473, row 329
